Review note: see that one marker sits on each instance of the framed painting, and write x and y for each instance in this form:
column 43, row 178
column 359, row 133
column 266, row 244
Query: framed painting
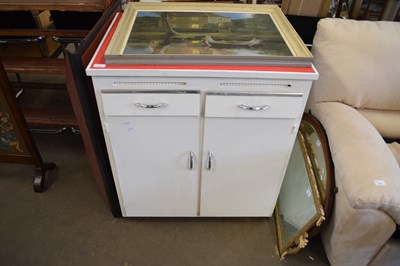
column 200, row 33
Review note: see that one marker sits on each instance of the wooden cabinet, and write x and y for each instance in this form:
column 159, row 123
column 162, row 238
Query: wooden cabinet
column 27, row 47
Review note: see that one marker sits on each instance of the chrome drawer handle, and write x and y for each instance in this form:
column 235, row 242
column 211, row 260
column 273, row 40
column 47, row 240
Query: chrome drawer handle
column 157, row 105
column 191, row 160
column 209, row 160
column 253, row 108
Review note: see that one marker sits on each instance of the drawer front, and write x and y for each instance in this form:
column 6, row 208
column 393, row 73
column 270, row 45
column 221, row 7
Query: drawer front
column 254, row 106
column 151, row 104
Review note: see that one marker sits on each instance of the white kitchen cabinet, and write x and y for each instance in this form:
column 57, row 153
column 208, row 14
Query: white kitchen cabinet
column 202, row 140
column 193, row 153
column 246, row 141
column 155, row 141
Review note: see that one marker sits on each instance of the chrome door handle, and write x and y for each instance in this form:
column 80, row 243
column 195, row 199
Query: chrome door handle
column 253, row 108
column 209, row 160
column 157, row 105
column 191, row 160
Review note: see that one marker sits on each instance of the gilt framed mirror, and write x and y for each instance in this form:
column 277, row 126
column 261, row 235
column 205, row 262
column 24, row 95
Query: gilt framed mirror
column 318, row 150
column 299, row 207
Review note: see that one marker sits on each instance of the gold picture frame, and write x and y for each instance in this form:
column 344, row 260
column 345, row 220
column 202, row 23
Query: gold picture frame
column 200, row 33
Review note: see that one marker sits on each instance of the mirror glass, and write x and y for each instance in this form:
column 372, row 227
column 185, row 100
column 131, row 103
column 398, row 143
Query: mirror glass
column 317, row 156
column 299, row 207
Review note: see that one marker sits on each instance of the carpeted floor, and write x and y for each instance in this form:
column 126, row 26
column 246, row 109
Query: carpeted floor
column 69, row 224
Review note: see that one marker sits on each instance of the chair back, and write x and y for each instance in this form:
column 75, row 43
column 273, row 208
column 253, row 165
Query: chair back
column 359, row 65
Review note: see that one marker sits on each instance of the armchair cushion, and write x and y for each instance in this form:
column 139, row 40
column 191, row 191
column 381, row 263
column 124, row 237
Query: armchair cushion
column 395, row 148
column 386, row 122
column 366, row 167
column 343, row 51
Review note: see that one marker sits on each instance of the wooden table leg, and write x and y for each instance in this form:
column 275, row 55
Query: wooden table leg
column 38, row 183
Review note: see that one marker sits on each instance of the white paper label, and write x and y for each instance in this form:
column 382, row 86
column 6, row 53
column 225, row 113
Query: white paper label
column 379, row 182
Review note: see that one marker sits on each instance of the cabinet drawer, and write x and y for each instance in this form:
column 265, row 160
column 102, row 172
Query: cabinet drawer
column 254, row 106
column 151, row 104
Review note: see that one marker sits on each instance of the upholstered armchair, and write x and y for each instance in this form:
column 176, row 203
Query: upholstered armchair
column 357, row 100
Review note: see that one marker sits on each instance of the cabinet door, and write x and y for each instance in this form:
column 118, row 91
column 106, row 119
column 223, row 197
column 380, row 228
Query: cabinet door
column 247, row 143
column 154, row 139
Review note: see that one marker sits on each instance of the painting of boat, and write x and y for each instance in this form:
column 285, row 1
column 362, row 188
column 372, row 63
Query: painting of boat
column 202, row 34
column 205, row 33
column 230, row 43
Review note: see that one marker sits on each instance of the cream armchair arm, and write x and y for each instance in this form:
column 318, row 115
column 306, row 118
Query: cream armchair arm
column 367, row 204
